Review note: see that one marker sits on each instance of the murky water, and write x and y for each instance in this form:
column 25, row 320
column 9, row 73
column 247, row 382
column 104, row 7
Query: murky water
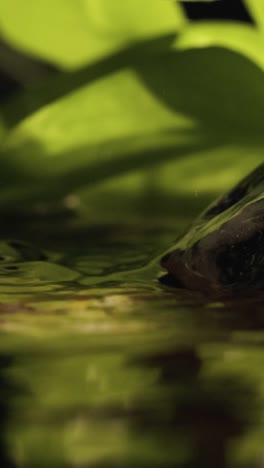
column 103, row 366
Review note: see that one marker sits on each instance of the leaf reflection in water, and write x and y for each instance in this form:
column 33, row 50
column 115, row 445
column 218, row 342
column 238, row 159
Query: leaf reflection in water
column 121, row 370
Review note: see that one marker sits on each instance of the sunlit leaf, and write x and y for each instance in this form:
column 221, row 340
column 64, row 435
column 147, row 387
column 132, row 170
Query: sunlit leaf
column 256, row 10
column 65, row 82
column 239, row 37
column 71, row 33
column 178, row 104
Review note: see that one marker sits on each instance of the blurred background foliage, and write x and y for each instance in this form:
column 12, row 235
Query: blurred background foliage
column 128, row 104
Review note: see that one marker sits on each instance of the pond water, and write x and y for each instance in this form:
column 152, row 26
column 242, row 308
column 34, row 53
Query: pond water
column 103, row 366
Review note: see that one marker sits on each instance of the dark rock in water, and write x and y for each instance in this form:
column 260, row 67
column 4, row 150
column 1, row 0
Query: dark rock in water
column 223, row 251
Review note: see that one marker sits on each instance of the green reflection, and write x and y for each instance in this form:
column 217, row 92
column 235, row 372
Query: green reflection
column 114, row 369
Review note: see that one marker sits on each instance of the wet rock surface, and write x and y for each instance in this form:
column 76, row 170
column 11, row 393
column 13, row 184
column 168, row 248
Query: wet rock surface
column 223, row 251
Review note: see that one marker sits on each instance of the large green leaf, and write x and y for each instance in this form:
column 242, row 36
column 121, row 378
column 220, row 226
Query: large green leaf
column 65, row 82
column 256, row 10
column 71, row 33
column 178, row 104
column 236, row 36
column 111, row 126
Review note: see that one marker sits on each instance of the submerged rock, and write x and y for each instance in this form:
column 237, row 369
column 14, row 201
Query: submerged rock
column 223, row 251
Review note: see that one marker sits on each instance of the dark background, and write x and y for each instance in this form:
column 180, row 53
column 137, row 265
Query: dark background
column 220, row 9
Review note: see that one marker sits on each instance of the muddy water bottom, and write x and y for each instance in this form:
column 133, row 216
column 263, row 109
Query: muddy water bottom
column 103, row 366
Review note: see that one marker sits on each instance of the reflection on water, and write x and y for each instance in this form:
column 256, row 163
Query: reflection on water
column 103, row 366
column 8, row 391
column 204, row 412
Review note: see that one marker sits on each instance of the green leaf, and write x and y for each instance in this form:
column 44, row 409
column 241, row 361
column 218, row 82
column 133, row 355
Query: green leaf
column 65, row 82
column 256, row 10
column 179, row 104
column 71, row 33
column 92, row 134
column 137, row 118
column 239, row 37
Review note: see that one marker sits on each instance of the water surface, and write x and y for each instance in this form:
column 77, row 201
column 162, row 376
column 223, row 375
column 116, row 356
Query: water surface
column 103, row 366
